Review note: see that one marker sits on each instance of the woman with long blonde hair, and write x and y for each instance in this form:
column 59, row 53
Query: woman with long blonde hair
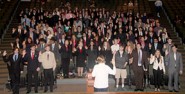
column 158, row 68
column 101, row 72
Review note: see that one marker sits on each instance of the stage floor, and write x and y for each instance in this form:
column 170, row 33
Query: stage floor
column 79, row 86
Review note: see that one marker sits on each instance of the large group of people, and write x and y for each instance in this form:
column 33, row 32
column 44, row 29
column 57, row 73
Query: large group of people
column 49, row 41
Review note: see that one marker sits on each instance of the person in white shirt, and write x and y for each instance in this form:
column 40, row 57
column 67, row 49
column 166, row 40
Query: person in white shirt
column 101, row 72
column 115, row 46
column 158, row 4
column 49, row 64
column 158, row 68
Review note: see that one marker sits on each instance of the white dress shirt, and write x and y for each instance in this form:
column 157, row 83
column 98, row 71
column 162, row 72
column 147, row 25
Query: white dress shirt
column 101, row 72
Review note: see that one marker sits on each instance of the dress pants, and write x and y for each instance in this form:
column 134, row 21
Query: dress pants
column 157, row 77
column 15, row 80
column 66, row 62
column 32, row 77
column 48, row 79
column 173, row 75
column 139, row 77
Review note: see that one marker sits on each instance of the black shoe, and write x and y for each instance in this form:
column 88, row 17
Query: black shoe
column 51, row 90
column 141, row 90
column 136, row 90
column 28, row 92
column 170, row 91
column 45, row 91
column 36, row 91
column 176, row 91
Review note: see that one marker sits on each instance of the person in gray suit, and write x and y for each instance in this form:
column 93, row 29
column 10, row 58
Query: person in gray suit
column 41, row 45
column 55, row 49
column 175, row 67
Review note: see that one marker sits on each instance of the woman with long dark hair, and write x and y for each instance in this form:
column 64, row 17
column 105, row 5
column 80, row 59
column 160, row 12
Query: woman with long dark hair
column 92, row 55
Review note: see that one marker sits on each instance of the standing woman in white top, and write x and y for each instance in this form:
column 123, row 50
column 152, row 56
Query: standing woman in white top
column 101, row 72
column 158, row 68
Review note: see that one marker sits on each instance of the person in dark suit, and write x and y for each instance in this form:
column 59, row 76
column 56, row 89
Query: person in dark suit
column 139, row 65
column 17, row 44
column 66, row 54
column 150, row 38
column 81, row 57
column 105, row 50
column 33, row 67
column 92, row 53
column 175, row 67
column 156, row 46
column 15, row 66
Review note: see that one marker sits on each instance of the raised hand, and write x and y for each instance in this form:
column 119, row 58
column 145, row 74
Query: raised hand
column 13, row 30
column 23, row 53
column 4, row 53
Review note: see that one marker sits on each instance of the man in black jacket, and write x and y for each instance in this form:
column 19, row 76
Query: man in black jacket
column 65, row 51
column 33, row 67
column 14, row 63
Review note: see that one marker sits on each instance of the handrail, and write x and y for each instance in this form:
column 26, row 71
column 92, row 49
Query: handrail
column 172, row 25
column 10, row 21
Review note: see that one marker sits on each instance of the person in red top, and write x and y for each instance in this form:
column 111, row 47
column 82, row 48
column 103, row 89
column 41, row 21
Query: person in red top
column 81, row 55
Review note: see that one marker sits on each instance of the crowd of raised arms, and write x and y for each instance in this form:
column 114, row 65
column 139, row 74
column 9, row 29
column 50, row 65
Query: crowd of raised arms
column 81, row 35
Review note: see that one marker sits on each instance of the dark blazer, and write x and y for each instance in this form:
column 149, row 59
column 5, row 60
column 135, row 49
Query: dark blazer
column 33, row 64
column 15, row 45
column 159, row 47
column 14, row 66
column 81, row 57
column 144, row 60
column 107, row 54
column 64, row 52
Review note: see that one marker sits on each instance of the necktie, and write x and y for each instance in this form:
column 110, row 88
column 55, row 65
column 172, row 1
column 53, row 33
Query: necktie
column 42, row 46
column 80, row 50
column 53, row 47
column 155, row 46
column 32, row 56
column 175, row 56
column 139, row 58
column 47, row 56
column 66, row 48
column 15, row 57
column 151, row 40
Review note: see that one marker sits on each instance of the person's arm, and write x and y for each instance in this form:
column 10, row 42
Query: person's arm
column 40, row 58
column 5, row 59
column 112, row 71
column 54, row 62
column 152, row 59
column 21, row 63
column 162, row 60
column 181, row 64
column 94, row 71
column 24, row 56
column 167, row 58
